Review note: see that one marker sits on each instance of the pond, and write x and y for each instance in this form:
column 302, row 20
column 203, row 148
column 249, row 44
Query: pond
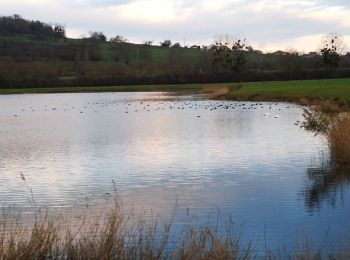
column 250, row 161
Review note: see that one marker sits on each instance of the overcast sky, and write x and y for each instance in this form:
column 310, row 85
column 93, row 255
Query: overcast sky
column 267, row 24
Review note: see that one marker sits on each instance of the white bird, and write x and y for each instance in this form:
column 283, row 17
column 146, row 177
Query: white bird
column 277, row 116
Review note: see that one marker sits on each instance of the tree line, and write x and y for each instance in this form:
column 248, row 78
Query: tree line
column 16, row 25
column 96, row 60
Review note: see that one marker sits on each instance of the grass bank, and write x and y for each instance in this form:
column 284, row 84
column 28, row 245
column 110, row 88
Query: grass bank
column 337, row 90
column 297, row 91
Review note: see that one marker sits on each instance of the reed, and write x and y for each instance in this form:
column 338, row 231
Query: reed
column 113, row 234
column 116, row 234
column 328, row 119
column 338, row 138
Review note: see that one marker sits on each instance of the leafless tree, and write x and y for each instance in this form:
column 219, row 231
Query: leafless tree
column 332, row 47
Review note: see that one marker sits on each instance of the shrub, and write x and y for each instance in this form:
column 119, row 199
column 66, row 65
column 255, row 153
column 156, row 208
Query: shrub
column 335, row 127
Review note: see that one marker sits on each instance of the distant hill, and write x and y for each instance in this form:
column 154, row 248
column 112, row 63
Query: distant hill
column 16, row 25
column 37, row 54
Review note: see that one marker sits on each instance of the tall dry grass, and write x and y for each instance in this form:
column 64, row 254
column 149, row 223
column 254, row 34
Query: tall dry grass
column 338, row 137
column 113, row 234
column 328, row 120
column 215, row 92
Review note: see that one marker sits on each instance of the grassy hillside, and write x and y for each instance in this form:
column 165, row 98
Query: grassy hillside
column 108, row 50
column 35, row 54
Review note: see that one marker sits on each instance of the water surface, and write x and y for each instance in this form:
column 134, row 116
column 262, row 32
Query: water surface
column 246, row 160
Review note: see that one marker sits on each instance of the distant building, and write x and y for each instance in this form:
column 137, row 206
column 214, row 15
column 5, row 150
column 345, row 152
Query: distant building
column 310, row 54
column 195, row 47
column 280, row 53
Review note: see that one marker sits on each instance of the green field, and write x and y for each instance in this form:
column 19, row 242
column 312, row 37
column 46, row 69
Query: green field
column 331, row 89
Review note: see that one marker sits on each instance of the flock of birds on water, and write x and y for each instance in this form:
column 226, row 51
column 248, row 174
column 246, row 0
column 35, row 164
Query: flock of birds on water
column 270, row 110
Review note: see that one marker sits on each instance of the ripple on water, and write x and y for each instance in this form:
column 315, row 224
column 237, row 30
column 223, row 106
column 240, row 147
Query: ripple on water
column 247, row 159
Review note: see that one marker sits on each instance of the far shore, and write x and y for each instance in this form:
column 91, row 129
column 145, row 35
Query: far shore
column 303, row 91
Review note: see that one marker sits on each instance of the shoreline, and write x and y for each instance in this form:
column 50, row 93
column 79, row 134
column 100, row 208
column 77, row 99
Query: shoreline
column 301, row 92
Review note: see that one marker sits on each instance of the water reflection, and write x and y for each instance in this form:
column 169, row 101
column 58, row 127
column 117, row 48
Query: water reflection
column 327, row 185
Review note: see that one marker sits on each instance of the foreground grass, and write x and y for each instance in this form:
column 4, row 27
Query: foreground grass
column 115, row 234
column 332, row 89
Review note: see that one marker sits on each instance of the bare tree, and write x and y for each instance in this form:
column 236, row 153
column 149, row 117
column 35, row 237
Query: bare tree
column 148, row 43
column 59, row 30
column 229, row 53
column 166, row 43
column 97, row 36
column 332, row 47
column 118, row 39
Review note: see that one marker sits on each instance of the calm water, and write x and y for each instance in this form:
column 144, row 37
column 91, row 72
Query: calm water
column 226, row 158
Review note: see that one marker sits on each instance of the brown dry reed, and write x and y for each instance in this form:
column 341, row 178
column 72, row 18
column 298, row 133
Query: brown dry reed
column 113, row 234
column 338, row 137
column 332, row 122
column 116, row 234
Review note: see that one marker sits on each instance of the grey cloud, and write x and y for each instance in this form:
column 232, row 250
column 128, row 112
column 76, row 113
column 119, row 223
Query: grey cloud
column 267, row 25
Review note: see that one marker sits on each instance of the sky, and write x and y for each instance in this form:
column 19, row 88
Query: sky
column 267, row 25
